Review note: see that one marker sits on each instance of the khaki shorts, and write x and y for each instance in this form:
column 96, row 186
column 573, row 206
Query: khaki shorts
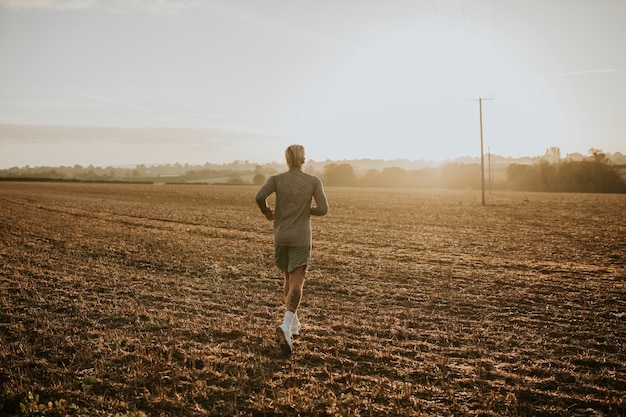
column 289, row 258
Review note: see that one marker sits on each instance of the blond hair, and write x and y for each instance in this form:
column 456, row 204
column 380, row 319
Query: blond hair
column 295, row 156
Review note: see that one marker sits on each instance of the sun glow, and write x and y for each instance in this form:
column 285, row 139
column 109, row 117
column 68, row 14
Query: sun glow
column 411, row 86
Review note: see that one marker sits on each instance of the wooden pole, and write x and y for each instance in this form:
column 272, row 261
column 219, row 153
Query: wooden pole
column 482, row 156
column 489, row 167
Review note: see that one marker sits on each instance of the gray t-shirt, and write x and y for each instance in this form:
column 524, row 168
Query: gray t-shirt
column 295, row 191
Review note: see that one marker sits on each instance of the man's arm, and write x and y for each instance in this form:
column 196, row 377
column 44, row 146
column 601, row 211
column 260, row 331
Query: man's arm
column 261, row 198
column 321, row 203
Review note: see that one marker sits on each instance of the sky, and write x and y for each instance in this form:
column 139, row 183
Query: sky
column 123, row 82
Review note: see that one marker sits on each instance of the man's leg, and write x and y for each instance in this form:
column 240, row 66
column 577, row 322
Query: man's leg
column 286, row 285
column 294, row 281
column 295, row 324
column 293, row 288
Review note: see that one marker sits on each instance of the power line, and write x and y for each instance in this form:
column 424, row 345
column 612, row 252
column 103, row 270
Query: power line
column 493, row 24
column 464, row 18
column 432, row 2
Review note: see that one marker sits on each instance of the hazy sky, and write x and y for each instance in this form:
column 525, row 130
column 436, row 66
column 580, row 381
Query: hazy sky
column 109, row 82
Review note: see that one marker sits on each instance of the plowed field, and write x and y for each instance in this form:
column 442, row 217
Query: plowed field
column 164, row 299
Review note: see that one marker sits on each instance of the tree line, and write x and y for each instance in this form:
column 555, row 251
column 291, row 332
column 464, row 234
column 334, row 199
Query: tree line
column 595, row 173
column 592, row 174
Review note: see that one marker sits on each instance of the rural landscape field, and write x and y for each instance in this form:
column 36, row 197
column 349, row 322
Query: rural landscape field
column 136, row 299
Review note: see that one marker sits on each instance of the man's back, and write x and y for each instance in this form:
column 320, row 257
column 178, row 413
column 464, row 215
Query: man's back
column 294, row 190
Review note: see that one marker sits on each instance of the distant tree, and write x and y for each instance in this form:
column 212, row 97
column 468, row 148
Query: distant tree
column 259, row 178
column 547, row 174
column 594, row 174
column 618, row 158
column 391, row 177
column 235, row 179
column 553, row 154
column 341, row 175
column 371, row 178
column 522, row 177
column 394, row 177
column 598, row 155
column 575, row 156
column 460, row 176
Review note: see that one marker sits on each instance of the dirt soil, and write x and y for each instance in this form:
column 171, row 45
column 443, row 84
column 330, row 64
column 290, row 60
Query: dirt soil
column 163, row 300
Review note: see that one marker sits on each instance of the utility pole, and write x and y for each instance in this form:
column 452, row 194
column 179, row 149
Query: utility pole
column 489, row 166
column 482, row 155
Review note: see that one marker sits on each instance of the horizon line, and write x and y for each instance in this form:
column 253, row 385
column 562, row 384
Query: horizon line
column 310, row 161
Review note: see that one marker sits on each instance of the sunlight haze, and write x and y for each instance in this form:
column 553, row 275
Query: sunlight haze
column 131, row 82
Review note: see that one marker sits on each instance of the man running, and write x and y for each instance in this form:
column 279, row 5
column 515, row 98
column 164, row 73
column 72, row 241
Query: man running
column 295, row 191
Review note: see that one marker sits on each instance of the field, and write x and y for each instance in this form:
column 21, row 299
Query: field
column 163, row 300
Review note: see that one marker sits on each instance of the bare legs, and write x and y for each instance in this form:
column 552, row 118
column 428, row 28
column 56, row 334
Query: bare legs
column 294, row 282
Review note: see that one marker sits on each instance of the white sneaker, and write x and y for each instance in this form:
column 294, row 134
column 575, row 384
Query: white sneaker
column 295, row 328
column 283, row 337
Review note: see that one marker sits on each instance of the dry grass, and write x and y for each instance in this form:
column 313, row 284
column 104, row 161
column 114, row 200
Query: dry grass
column 163, row 300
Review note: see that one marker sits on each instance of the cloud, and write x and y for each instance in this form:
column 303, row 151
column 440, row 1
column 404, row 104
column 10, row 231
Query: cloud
column 12, row 133
column 149, row 6
column 598, row 71
column 109, row 101
column 119, row 103
column 227, row 9
column 172, row 7
column 585, row 72
column 47, row 4
column 162, row 7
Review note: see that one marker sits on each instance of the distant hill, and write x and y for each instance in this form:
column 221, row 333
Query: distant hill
column 463, row 172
